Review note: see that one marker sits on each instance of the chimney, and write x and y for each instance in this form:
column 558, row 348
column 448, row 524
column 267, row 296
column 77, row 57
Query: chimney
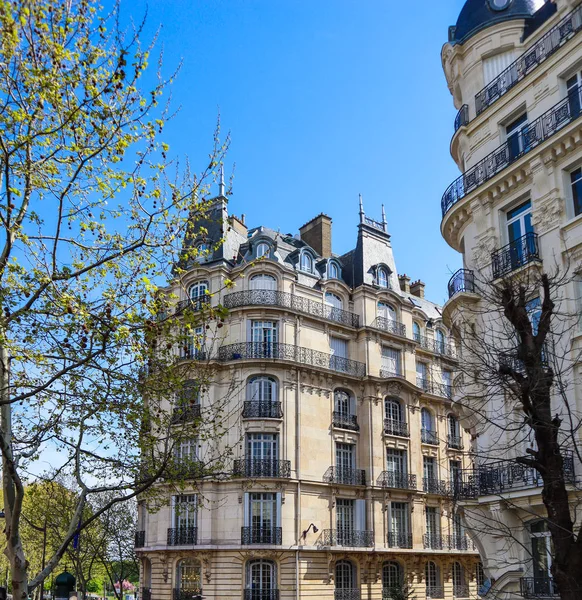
column 317, row 233
column 239, row 225
column 404, row 283
column 417, row 288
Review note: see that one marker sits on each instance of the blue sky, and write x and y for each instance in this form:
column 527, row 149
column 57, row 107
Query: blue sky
column 324, row 100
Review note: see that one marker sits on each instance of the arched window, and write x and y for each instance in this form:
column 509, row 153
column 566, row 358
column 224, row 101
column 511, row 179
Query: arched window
column 263, row 249
column 386, row 311
column 416, row 331
column 382, row 277
column 262, row 281
column 336, row 306
column 428, row 434
column 333, row 271
column 441, row 341
column 433, row 580
column 479, row 576
column 262, row 398
column 393, row 410
column 306, row 262
column 460, row 588
column 262, row 577
column 343, row 407
column 392, row 579
column 345, row 576
column 198, row 294
column 188, row 577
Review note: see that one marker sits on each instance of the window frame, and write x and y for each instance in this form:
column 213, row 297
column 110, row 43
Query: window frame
column 266, row 247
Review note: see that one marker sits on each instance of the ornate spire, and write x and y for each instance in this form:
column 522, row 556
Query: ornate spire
column 221, row 183
column 384, row 222
column 361, row 209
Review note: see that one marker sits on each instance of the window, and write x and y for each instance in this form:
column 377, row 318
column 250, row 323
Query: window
column 458, row 531
column 494, row 65
column 428, row 433
column 198, row 294
column 416, row 331
column 576, row 182
column 517, row 137
column 264, row 338
column 534, row 312
column 345, row 516
column 447, row 377
column 306, row 262
column 454, row 433
column 189, row 394
column 396, row 464
column 262, row 450
column 186, row 451
column 456, row 472
column 339, row 354
column 335, row 304
column 386, row 311
column 188, row 578
column 399, row 535
column 343, row 404
column 460, row 588
column 194, row 345
column 519, row 230
column 578, row 296
column 262, row 389
column 427, row 420
column 542, row 551
column 333, row 300
column 391, row 362
column 345, row 578
column 479, row 577
column 393, row 410
column 421, row 375
column 263, row 249
column 429, row 472
column 382, row 277
column 392, row 579
column 261, row 579
column 262, row 515
column 263, row 282
column 333, row 271
column 433, row 528
column 441, row 341
column 574, row 89
column 344, row 459
column 185, row 514
column 433, row 580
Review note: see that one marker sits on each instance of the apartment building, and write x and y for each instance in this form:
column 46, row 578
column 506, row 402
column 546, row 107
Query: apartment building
column 514, row 70
column 345, row 441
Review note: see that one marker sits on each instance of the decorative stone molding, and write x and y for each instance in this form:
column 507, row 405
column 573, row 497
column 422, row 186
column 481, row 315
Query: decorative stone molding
column 482, row 252
column 548, row 213
column 394, row 388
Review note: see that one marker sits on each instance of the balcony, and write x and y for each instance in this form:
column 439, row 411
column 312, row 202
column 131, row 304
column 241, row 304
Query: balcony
column 289, row 352
column 347, row 538
column 195, row 304
column 260, row 468
column 462, row 118
column 515, row 255
column 564, row 112
column 435, row 591
column 399, row 539
column 258, row 409
column 292, row 302
column 139, row 541
column 454, row 442
column 261, row 594
column 443, row 390
column 554, row 39
column 429, row 437
column 349, row 594
column 433, row 345
column 390, row 325
column 146, row 594
column 431, row 485
column 183, row 536
column 396, row 481
column 434, row 541
column 345, row 476
column 185, row 468
column 261, row 535
column 343, row 421
column 463, row 281
column 459, row 542
column 185, row 414
column 393, row 427
column 194, row 594
column 538, row 587
column 461, row 590
column 387, row 373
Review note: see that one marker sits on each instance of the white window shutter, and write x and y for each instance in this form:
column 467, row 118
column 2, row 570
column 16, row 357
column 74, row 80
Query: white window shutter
column 278, row 515
column 360, row 515
column 247, row 509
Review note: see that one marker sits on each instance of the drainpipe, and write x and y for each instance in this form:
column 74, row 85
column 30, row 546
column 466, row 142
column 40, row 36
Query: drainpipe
column 297, row 463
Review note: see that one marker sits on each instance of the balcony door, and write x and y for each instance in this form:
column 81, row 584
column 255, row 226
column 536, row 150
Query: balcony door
column 263, row 282
column 398, row 525
column 574, row 88
column 386, row 311
column 335, row 305
column 185, row 512
column 189, row 578
column 262, row 452
column 264, row 337
column 542, row 555
column 517, row 137
column 339, row 354
column 261, row 577
column 432, row 522
column 346, row 519
column 519, row 224
column 345, row 461
column 391, row 361
column 262, row 517
column 429, row 469
column 396, row 464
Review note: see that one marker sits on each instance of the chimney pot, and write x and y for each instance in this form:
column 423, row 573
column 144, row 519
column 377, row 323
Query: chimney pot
column 417, row 288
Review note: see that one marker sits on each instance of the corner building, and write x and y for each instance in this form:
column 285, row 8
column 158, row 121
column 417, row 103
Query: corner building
column 514, row 69
column 342, row 424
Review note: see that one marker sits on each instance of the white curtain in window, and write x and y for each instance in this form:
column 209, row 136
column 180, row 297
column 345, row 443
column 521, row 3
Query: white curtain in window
column 494, row 65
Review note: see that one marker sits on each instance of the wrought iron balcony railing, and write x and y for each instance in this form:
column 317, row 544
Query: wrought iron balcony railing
column 564, row 112
column 510, row 361
column 455, row 442
column 459, row 542
column 554, row 39
column 462, row 281
column 258, row 409
column 185, row 414
column 435, row 591
column 347, row 537
column 387, row 373
column 261, row 594
column 192, row 304
column 347, row 594
column 436, row 389
column 538, row 587
column 262, row 468
column 460, row 590
column 292, row 302
column 193, row 594
column 462, row 117
column 429, row 437
column 262, row 535
column 397, row 481
column 432, row 485
column 399, row 539
column 139, row 539
column 304, row 356
column 394, row 427
column 183, row 536
column 390, row 325
column 344, row 421
column 514, row 255
column 186, row 468
column 345, row 476
column 433, row 345
column 434, row 541
column 146, row 594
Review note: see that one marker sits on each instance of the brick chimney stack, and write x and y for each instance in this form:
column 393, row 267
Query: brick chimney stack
column 404, row 283
column 317, row 233
column 417, row 288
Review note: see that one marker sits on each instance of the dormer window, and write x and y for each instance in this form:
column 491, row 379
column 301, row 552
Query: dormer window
column 202, row 250
column 382, row 277
column 333, row 271
column 262, row 250
column 306, row 263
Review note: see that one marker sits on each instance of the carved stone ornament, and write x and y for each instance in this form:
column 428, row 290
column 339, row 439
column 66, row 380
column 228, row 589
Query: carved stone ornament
column 548, row 214
column 394, row 388
column 482, row 252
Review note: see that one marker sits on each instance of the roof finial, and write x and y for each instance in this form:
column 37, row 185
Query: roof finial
column 361, row 209
column 384, row 222
column 221, row 184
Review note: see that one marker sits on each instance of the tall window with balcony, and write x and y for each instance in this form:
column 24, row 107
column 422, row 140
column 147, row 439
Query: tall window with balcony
column 194, row 345
column 262, row 281
column 387, row 312
column 262, row 398
column 345, row 581
column 454, row 439
column 186, row 459
column 333, row 306
column 456, row 474
column 576, row 183
column 517, row 137
column 262, row 518
column 187, row 403
column 391, row 362
column 262, row 453
column 458, row 539
column 433, row 538
column 428, row 430
column 344, row 414
column 339, row 354
column 416, row 331
column 184, row 531
column 447, row 383
column 434, row 587
column 399, row 530
column 440, row 341
column 396, row 475
column 573, row 85
column 188, row 580
column 198, row 294
column 345, row 469
column 541, row 584
column 460, row 587
column 421, row 375
column 261, row 580
column 264, row 339
column 394, row 421
column 430, row 481
column 392, row 580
